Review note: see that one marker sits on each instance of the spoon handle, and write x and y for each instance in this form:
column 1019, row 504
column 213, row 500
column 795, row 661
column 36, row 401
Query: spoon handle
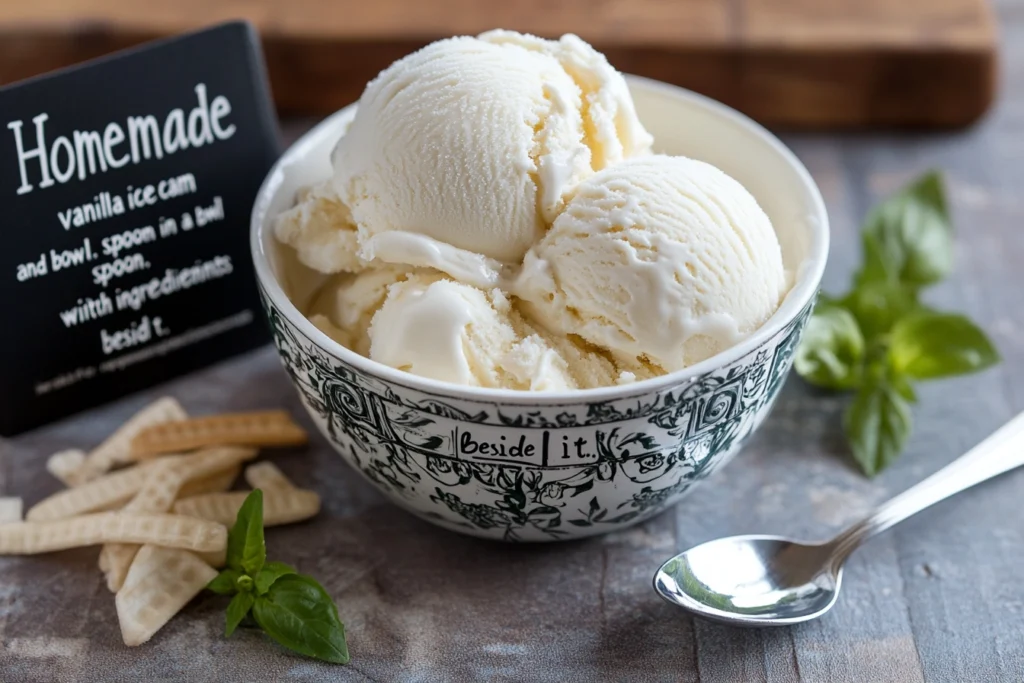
column 1001, row 452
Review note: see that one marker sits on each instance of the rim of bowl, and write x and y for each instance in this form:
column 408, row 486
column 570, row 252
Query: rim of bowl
column 807, row 279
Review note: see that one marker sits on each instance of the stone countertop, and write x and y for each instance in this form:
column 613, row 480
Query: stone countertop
column 939, row 598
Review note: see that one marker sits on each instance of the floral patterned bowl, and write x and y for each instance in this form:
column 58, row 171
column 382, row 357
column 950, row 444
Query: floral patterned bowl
column 524, row 466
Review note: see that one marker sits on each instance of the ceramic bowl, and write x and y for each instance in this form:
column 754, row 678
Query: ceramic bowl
column 521, row 466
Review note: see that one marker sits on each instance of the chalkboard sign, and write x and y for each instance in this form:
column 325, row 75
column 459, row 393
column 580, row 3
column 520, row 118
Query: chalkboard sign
column 128, row 183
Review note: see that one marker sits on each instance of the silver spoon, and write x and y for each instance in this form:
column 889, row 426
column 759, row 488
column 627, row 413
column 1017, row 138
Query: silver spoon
column 773, row 581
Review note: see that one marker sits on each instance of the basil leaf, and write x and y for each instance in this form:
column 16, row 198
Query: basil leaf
column 224, row 583
column 932, row 345
column 878, row 305
column 237, row 609
column 911, row 234
column 299, row 614
column 270, row 573
column 831, row 353
column 246, row 549
column 903, row 387
column 877, row 425
column 876, row 268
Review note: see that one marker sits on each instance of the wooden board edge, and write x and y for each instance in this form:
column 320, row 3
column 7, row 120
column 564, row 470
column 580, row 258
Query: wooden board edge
column 848, row 88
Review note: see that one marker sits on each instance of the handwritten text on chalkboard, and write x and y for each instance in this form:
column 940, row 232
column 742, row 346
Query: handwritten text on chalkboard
column 89, row 152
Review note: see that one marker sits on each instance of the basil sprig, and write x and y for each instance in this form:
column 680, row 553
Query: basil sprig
column 291, row 608
column 879, row 337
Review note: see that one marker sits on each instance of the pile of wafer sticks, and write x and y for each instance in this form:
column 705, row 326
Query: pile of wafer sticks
column 155, row 496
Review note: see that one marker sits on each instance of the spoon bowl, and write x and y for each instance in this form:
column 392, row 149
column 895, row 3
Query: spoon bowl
column 752, row 580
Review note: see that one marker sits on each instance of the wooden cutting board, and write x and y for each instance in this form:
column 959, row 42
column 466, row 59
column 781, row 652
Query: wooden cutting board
column 795, row 63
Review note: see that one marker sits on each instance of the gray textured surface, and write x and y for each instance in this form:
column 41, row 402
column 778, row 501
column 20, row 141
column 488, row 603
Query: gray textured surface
column 941, row 598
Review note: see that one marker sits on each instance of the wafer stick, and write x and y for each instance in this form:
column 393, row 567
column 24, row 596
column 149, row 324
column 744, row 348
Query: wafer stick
column 10, row 510
column 117, row 448
column 160, row 582
column 266, row 475
column 156, row 495
column 177, row 531
column 115, row 488
column 162, row 486
column 269, row 428
column 215, row 483
column 280, row 506
column 215, row 558
column 113, row 507
column 64, row 464
column 215, row 461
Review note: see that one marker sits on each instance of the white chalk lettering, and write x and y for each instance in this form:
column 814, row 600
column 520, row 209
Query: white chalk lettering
column 83, row 153
column 112, row 137
column 38, row 153
column 89, row 150
column 144, row 131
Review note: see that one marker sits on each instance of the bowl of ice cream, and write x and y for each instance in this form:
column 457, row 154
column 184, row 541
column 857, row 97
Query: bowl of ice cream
column 515, row 314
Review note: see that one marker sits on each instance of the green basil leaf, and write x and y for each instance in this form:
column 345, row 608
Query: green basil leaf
column 877, row 267
column 878, row 305
column 903, row 387
column 299, row 614
column 224, row 583
column 912, row 236
column 237, row 609
column 877, row 425
column 247, row 550
column 306, row 578
column 270, row 573
column 831, row 353
column 932, row 345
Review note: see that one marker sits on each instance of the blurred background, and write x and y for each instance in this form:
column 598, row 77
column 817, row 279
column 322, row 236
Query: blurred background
column 869, row 94
column 788, row 63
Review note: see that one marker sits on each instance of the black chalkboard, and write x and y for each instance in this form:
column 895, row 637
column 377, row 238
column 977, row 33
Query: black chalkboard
column 125, row 257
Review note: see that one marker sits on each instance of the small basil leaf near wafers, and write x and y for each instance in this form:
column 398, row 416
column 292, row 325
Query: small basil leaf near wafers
column 225, row 583
column 292, row 608
column 237, row 609
column 299, row 614
column 270, row 573
column 247, row 550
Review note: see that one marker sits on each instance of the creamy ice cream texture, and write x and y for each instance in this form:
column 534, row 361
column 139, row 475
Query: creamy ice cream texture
column 496, row 219
column 473, row 142
column 658, row 258
column 465, row 336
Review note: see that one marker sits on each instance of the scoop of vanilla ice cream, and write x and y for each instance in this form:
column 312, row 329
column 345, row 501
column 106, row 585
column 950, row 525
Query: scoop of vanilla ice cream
column 457, row 333
column 660, row 260
column 475, row 142
column 325, row 325
column 612, row 131
column 592, row 367
column 587, row 365
column 349, row 302
column 320, row 229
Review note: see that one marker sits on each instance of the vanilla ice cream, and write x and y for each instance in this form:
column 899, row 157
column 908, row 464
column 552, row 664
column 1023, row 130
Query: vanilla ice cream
column 660, row 259
column 349, row 302
column 476, row 141
column 496, row 219
column 320, row 229
column 453, row 332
